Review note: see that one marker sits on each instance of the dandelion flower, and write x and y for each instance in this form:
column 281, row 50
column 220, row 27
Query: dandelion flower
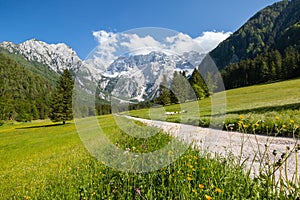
column 292, row 121
column 208, row 197
column 189, row 178
column 201, row 186
column 245, row 125
column 242, row 116
column 219, row 190
column 277, row 118
column 283, row 126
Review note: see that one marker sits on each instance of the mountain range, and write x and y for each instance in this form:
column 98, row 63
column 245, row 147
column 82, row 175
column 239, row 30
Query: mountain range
column 275, row 27
column 143, row 71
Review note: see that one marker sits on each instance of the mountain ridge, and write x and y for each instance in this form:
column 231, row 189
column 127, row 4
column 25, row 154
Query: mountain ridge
column 55, row 56
column 146, row 72
column 260, row 34
column 149, row 67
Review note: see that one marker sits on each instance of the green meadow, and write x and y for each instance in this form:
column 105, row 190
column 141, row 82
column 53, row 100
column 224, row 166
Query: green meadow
column 272, row 109
column 43, row 160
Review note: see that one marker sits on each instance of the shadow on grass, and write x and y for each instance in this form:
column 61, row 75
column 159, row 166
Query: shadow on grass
column 43, row 126
column 261, row 110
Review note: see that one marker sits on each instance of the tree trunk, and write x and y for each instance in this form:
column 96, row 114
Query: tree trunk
column 64, row 122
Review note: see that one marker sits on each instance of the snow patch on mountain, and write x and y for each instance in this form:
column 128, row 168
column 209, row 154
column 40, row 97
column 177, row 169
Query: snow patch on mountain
column 134, row 76
column 56, row 56
column 138, row 77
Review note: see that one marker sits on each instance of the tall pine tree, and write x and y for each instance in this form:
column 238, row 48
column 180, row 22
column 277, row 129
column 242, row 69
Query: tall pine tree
column 164, row 97
column 198, row 85
column 181, row 87
column 61, row 104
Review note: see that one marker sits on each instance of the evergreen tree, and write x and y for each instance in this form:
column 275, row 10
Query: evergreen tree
column 181, row 87
column 164, row 97
column 198, row 85
column 61, row 104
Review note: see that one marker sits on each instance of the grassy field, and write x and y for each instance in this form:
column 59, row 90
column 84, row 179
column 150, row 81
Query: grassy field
column 265, row 109
column 41, row 160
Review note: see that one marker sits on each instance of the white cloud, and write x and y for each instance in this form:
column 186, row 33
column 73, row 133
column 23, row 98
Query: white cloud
column 107, row 47
column 141, row 45
column 111, row 45
column 181, row 43
column 211, row 39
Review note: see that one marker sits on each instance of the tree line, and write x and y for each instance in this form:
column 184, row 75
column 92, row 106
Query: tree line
column 268, row 67
column 24, row 96
column 182, row 89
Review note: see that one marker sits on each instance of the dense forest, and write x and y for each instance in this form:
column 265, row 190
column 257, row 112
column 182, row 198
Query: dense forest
column 24, row 95
column 265, row 49
column 273, row 28
column 268, row 67
column 35, row 67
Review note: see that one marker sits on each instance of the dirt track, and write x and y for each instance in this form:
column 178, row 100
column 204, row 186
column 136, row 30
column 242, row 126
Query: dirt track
column 251, row 148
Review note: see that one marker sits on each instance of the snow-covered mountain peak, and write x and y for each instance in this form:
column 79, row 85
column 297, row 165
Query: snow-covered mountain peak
column 141, row 75
column 56, row 56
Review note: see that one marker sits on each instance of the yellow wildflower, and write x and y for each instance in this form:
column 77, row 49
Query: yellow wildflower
column 242, row 116
column 245, row 125
column 193, row 190
column 283, row 126
column 277, row 118
column 219, row 190
column 208, row 197
column 201, row 186
column 189, row 178
column 292, row 121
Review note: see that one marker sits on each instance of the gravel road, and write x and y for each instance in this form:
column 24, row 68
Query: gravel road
column 253, row 149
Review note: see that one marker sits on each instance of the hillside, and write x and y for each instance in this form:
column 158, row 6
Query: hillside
column 33, row 66
column 263, row 108
column 24, row 95
column 275, row 27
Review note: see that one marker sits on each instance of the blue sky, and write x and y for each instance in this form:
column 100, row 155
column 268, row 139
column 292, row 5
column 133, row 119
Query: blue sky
column 73, row 22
